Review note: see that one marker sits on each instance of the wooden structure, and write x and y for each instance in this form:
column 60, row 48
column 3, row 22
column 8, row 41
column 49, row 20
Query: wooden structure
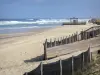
column 54, row 45
column 74, row 21
column 68, row 66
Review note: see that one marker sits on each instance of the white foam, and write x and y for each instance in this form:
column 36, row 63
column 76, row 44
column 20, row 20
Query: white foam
column 40, row 21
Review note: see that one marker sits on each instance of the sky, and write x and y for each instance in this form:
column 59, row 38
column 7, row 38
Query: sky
column 20, row 9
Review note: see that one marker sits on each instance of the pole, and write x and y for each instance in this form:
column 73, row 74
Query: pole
column 76, row 36
column 61, row 40
column 72, row 38
column 66, row 39
column 69, row 39
column 72, row 65
column 83, row 60
column 50, row 42
column 41, row 68
column 45, row 48
column 60, row 67
column 89, row 54
column 55, row 42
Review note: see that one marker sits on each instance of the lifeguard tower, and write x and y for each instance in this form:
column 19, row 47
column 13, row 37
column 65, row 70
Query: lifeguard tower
column 74, row 20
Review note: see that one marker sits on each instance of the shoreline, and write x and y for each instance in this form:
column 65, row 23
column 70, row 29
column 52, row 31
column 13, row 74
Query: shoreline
column 18, row 34
column 14, row 37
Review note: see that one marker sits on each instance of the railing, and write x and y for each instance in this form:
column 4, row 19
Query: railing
column 67, row 66
column 70, row 65
column 84, row 35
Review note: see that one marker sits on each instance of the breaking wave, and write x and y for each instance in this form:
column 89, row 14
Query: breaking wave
column 32, row 22
column 38, row 21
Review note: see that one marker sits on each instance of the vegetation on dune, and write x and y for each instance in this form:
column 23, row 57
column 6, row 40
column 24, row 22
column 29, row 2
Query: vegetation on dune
column 93, row 68
column 95, row 21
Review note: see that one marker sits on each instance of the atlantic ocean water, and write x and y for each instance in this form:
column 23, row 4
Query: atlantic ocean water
column 8, row 26
column 23, row 25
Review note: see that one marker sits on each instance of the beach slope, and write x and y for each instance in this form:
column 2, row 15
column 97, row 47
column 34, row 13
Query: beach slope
column 15, row 51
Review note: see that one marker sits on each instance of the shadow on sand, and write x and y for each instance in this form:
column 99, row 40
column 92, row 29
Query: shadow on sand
column 38, row 58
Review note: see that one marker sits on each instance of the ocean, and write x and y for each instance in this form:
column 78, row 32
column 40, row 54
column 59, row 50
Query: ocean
column 8, row 26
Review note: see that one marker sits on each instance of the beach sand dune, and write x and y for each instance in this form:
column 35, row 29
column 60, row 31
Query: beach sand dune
column 15, row 51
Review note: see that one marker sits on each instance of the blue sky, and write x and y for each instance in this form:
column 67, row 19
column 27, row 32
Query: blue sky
column 49, row 8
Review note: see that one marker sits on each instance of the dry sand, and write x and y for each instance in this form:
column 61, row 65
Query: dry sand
column 14, row 51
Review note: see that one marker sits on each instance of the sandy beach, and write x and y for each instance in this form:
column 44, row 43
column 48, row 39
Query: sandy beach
column 15, row 49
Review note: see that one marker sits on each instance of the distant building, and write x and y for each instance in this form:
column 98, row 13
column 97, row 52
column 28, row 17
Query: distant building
column 74, row 21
